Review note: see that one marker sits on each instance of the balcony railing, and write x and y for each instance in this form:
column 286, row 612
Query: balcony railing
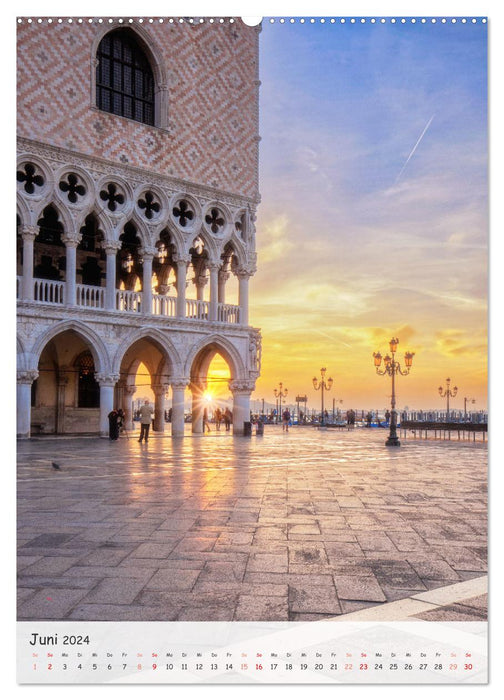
column 49, row 291
column 163, row 305
column 196, row 309
column 87, row 296
column 90, row 297
column 128, row 301
column 228, row 313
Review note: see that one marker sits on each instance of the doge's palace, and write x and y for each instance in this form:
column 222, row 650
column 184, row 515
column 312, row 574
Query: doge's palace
column 137, row 187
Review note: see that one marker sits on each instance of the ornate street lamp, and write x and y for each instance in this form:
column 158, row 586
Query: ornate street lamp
column 392, row 367
column 448, row 393
column 280, row 394
column 322, row 385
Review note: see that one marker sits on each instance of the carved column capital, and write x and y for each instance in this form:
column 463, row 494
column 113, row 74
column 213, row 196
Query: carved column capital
column 71, row 240
column 181, row 259
column 27, row 376
column 160, row 389
column 106, row 378
column 29, row 233
column 111, row 247
column 241, row 386
column 179, row 383
column 147, row 252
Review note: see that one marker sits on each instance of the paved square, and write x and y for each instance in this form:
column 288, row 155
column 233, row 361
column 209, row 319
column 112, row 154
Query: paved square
column 306, row 525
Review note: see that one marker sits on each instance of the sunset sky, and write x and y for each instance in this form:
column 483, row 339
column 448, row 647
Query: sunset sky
column 373, row 220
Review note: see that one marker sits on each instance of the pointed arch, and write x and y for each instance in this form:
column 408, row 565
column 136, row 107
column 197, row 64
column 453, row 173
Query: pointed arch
column 200, row 356
column 153, row 334
column 96, row 345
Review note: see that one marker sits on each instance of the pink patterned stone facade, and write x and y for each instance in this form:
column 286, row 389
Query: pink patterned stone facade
column 211, row 135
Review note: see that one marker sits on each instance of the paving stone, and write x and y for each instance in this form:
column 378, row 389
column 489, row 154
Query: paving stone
column 116, row 591
column 314, row 599
column 436, row 569
column 451, row 613
column 364, row 588
column 262, row 608
column 172, row 580
column 50, row 604
column 50, row 565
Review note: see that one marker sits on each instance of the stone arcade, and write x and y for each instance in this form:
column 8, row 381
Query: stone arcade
column 137, row 181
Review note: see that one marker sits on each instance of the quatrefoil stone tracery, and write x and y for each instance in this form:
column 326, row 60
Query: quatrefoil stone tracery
column 30, row 178
column 112, row 196
column 214, row 220
column 149, row 205
column 72, row 188
column 183, row 213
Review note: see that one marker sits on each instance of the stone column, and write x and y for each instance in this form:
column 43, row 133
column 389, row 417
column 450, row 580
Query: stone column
column 127, row 405
column 147, row 255
column 243, row 295
column 29, row 234
column 61, row 385
column 223, row 278
column 241, row 391
column 107, row 383
column 25, row 379
column 178, row 387
column 214, row 291
column 197, row 407
column 71, row 241
column 159, row 406
column 182, row 263
column 111, row 248
column 200, row 282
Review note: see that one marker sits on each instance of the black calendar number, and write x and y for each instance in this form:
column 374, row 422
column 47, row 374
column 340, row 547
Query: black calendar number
column 334, row 667
column 438, row 667
column 75, row 639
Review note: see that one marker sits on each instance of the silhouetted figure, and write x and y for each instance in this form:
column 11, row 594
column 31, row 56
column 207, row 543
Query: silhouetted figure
column 56, row 466
column 113, row 419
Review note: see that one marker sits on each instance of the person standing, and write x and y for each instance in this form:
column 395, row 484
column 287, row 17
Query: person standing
column 218, row 418
column 227, row 418
column 113, row 418
column 286, row 420
column 145, row 421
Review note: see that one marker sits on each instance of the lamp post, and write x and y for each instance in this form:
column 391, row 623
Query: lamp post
column 334, row 408
column 448, row 393
column 392, row 367
column 322, row 385
column 466, row 400
column 280, row 394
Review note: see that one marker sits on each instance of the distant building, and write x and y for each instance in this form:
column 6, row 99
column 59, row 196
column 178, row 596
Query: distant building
column 137, row 187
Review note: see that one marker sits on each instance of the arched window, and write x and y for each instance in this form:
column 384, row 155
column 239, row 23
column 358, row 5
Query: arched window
column 88, row 389
column 124, row 78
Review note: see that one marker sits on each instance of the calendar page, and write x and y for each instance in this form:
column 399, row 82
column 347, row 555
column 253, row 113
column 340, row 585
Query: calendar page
column 251, row 294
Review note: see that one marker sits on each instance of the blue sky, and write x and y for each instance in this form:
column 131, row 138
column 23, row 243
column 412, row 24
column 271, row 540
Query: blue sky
column 355, row 241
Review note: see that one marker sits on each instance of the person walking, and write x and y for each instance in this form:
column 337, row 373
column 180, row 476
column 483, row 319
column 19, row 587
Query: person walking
column 286, row 420
column 227, row 418
column 113, row 418
column 145, row 421
column 206, row 424
column 218, row 418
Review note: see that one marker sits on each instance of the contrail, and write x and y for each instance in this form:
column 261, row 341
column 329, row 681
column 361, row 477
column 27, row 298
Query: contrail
column 338, row 340
column 415, row 147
